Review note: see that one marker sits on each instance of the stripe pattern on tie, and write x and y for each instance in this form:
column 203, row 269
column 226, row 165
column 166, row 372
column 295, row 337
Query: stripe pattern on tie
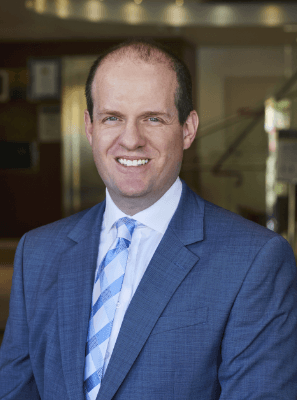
column 107, row 286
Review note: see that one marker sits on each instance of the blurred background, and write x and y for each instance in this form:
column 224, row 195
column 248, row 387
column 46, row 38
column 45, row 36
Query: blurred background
column 243, row 61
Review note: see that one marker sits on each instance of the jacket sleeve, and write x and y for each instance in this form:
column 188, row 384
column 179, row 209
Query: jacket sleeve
column 259, row 348
column 16, row 376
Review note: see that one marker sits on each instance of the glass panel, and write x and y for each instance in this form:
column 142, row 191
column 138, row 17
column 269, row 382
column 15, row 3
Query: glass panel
column 82, row 186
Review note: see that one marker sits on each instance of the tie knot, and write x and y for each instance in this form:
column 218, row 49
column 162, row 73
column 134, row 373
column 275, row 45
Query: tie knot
column 125, row 227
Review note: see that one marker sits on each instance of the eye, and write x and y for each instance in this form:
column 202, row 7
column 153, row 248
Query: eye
column 112, row 120
column 154, row 119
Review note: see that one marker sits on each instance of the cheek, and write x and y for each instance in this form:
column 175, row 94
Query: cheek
column 99, row 157
column 174, row 148
column 101, row 145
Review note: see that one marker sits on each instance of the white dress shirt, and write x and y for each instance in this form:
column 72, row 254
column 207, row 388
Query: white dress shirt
column 145, row 240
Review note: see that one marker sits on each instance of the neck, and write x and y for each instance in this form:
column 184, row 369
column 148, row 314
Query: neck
column 133, row 205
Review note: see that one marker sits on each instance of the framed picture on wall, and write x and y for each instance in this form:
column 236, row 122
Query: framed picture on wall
column 44, row 78
column 4, row 86
column 49, row 124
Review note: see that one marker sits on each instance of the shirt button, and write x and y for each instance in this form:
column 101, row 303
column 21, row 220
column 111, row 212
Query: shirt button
column 118, row 305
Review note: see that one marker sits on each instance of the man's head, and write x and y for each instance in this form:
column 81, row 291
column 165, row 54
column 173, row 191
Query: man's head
column 147, row 50
column 133, row 119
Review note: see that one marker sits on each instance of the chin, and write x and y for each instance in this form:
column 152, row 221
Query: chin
column 133, row 193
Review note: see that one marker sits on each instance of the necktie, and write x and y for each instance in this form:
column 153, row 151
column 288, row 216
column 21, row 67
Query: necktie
column 107, row 286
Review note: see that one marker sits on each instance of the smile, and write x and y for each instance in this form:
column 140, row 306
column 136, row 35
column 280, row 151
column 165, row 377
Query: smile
column 132, row 163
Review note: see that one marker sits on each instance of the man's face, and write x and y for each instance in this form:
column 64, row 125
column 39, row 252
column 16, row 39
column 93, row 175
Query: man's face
column 135, row 121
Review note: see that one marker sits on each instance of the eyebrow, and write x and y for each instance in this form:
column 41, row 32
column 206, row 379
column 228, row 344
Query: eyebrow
column 145, row 114
column 153, row 113
column 110, row 112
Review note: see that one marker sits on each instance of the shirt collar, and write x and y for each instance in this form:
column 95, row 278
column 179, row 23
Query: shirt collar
column 156, row 217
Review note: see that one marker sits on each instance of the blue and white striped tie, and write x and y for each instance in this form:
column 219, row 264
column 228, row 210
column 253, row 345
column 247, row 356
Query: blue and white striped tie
column 107, row 286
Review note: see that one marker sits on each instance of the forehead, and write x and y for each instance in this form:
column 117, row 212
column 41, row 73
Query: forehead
column 129, row 73
column 155, row 57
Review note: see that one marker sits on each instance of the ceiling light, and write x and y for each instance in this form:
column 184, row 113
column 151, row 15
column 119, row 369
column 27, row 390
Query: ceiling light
column 223, row 15
column 169, row 12
column 271, row 15
column 133, row 14
column 62, row 7
column 40, row 6
column 95, row 10
column 175, row 15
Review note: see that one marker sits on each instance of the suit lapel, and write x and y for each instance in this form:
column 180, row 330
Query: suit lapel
column 170, row 264
column 76, row 277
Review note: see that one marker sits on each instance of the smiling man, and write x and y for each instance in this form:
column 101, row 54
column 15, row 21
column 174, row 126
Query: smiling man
column 134, row 131
column 155, row 293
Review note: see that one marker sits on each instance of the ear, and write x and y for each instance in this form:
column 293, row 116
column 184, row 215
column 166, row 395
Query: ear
column 88, row 127
column 190, row 129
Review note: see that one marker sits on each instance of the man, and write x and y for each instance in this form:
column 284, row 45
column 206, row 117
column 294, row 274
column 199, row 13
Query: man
column 154, row 293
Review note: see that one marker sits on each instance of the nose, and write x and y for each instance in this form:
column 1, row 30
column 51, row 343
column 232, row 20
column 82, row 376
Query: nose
column 132, row 137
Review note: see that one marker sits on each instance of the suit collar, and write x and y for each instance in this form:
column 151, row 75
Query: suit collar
column 90, row 223
column 187, row 222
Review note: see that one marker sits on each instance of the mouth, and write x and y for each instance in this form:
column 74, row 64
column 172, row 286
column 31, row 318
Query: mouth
column 133, row 163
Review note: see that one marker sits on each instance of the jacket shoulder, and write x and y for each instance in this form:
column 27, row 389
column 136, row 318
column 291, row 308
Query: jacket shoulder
column 235, row 226
column 57, row 234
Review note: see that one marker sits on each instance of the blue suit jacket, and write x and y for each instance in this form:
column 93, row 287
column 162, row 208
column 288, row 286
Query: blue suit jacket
column 214, row 317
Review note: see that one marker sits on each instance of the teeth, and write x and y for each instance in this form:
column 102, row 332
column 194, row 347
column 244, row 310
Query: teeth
column 133, row 163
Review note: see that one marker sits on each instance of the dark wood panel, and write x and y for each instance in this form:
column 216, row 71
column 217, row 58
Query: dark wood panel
column 32, row 198
column 18, row 121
